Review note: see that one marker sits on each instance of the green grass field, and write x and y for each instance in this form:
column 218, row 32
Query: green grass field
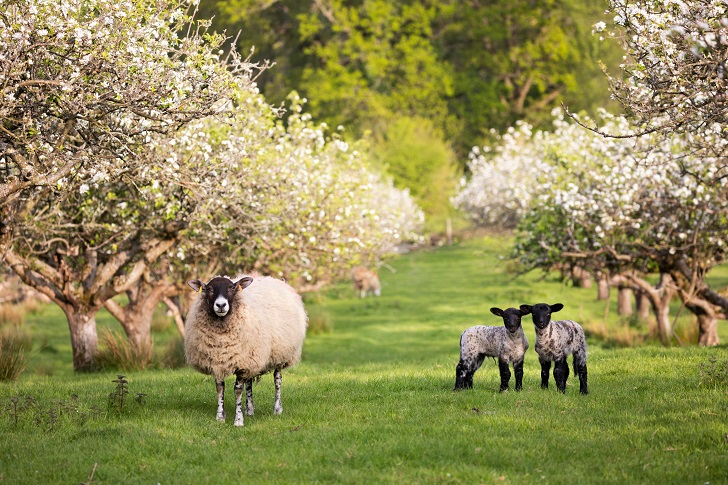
column 372, row 400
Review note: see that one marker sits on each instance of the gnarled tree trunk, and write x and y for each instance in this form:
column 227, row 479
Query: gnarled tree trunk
column 602, row 286
column 84, row 340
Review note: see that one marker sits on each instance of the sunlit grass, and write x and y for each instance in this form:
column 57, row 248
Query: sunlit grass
column 372, row 400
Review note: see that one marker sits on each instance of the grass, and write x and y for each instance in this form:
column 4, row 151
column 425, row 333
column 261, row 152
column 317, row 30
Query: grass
column 372, row 400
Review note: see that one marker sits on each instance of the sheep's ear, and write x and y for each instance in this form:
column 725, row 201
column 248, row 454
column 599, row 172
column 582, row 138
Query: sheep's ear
column 196, row 285
column 556, row 307
column 244, row 282
column 496, row 311
column 526, row 309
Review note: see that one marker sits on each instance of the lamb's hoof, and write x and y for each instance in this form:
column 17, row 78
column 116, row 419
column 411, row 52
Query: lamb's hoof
column 238, row 421
column 278, row 409
column 220, row 417
column 583, row 391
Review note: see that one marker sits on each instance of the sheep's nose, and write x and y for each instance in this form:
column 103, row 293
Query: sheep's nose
column 221, row 306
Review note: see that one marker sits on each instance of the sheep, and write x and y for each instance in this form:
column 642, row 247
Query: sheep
column 554, row 342
column 366, row 281
column 508, row 344
column 246, row 327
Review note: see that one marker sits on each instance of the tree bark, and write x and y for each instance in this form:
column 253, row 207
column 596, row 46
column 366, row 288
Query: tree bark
column 708, row 325
column 602, row 286
column 624, row 301
column 642, row 302
column 136, row 317
column 84, row 340
column 580, row 277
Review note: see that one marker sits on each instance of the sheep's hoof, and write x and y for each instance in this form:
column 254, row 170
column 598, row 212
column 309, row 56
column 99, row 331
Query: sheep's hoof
column 238, row 421
column 278, row 409
column 220, row 417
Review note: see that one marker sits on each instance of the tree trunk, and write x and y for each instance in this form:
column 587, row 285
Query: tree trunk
column 581, row 278
column 84, row 340
column 642, row 302
column 708, row 325
column 624, row 301
column 661, row 306
column 602, row 286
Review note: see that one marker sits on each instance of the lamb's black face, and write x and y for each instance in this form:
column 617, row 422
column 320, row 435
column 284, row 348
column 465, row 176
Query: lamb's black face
column 511, row 317
column 220, row 293
column 542, row 313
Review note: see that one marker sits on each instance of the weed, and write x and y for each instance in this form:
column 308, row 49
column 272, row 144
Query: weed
column 118, row 395
column 26, row 410
column 714, row 373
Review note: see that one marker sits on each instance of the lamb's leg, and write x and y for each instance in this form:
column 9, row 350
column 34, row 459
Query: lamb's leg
column 220, row 386
column 580, row 370
column 249, row 406
column 561, row 374
column 239, row 384
column 505, row 374
column 277, row 406
column 545, row 368
column 465, row 371
column 518, row 370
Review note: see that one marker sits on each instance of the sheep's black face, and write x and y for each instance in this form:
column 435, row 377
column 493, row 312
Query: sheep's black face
column 542, row 313
column 511, row 317
column 220, row 293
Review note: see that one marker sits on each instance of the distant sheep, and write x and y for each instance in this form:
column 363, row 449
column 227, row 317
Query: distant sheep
column 508, row 344
column 365, row 281
column 554, row 342
column 246, row 327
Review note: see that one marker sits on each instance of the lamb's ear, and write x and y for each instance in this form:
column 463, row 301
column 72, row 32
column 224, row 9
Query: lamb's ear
column 196, row 285
column 243, row 282
column 496, row 311
column 526, row 309
column 556, row 307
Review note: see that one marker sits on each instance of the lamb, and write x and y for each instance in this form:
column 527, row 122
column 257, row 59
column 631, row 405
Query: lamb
column 365, row 281
column 508, row 344
column 246, row 327
column 554, row 342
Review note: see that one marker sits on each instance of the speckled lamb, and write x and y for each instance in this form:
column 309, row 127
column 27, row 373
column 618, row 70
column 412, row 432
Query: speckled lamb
column 554, row 342
column 246, row 327
column 508, row 344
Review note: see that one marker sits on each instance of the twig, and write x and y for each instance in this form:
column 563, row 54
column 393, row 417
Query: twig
column 90, row 477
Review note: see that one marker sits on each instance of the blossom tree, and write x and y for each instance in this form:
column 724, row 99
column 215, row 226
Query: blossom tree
column 676, row 80
column 86, row 84
column 276, row 197
column 623, row 207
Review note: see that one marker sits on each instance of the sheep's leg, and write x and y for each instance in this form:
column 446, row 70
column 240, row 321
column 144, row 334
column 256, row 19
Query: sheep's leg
column 239, row 384
column 545, row 368
column 561, row 374
column 249, row 406
column 220, row 387
column 580, row 370
column 505, row 374
column 518, row 370
column 465, row 371
column 277, row 406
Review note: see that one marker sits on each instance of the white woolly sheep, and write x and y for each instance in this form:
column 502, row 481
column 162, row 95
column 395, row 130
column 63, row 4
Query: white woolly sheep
column 508, row 344
column 554, row 342
column 246, row 327
column 365, row 281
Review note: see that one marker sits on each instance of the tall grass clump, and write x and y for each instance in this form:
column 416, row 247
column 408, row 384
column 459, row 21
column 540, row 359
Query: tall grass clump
column 117, row 353
column 174, row 354
column 319, row 321
column 11, row 314
column 14, row 347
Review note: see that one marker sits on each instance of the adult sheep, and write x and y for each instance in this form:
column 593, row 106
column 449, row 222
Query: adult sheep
column 246, row 327
column 555, row 340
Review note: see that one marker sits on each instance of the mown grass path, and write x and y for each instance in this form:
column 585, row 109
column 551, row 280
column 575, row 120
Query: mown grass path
column 372, row 402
